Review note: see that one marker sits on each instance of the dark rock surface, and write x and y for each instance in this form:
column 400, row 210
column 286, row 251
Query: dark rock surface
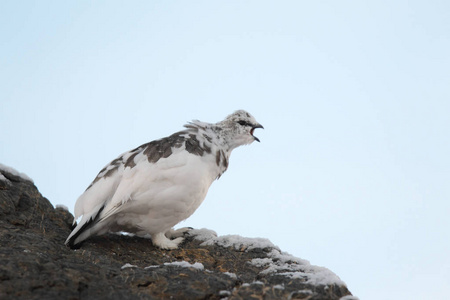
column 35, row 263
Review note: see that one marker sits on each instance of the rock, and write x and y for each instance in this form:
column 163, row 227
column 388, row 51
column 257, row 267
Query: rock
column 35, row 263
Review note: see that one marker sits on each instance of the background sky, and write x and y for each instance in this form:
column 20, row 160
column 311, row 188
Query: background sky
column 352, row 172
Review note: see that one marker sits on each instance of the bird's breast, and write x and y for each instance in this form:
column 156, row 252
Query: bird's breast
column 182, row 178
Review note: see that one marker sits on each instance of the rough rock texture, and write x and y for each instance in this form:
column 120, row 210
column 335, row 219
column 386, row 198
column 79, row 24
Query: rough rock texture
column 35, row 263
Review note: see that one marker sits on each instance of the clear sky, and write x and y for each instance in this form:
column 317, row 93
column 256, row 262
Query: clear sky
column 352, row 172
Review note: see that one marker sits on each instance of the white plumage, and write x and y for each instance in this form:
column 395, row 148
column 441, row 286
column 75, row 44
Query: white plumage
column 150, row 189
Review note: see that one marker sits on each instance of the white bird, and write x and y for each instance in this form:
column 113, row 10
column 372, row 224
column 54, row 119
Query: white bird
column 150, row 189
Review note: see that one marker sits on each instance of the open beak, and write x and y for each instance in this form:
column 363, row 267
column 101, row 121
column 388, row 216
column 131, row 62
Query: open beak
column 253, row 129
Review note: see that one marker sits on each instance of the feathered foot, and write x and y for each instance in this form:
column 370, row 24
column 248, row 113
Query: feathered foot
column 161, row 241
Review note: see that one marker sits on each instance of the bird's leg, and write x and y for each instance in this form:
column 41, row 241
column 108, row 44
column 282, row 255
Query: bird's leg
column 171, row 233
column 161, row 241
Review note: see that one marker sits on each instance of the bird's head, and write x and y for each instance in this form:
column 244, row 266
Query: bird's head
column 237, row 129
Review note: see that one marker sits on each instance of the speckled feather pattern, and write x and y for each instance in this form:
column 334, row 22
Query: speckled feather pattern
column 153, row 187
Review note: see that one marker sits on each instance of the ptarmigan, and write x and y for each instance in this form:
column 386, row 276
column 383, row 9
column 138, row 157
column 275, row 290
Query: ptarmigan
column 150, row 189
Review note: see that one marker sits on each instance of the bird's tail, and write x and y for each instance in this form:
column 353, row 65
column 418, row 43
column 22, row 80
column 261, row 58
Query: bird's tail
column 84, row 229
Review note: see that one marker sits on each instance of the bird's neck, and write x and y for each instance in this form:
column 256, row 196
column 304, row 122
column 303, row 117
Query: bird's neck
column 213, row 137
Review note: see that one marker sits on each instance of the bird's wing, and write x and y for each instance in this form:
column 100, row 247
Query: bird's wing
column 90, row 204
column 104, row 186
column 98, row 193
column 146, row 178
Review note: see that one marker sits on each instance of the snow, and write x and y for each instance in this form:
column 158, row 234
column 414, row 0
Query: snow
column 210, row 238
column 13, row 172
column 257, row 282
column 259, row 262
column 279, row 286
column 284, row 264
column 151, row 267
column 181, row 264
column 276, row 263
column 185, row 264
column 127, row 265
column 203, row 234
column 232, row 275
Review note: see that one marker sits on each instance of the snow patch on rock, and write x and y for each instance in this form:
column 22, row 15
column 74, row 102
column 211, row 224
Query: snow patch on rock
column 185, row 264
column 13, row 172
column 276, row 263
column 209, row 238
column 127, row 265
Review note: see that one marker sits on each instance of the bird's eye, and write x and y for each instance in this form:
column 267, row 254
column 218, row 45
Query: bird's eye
column 243, row 123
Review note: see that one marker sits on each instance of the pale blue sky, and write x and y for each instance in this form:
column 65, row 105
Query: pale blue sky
column 352, row 172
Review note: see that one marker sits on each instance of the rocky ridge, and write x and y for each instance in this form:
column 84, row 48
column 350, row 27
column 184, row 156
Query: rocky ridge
column 35, row 263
